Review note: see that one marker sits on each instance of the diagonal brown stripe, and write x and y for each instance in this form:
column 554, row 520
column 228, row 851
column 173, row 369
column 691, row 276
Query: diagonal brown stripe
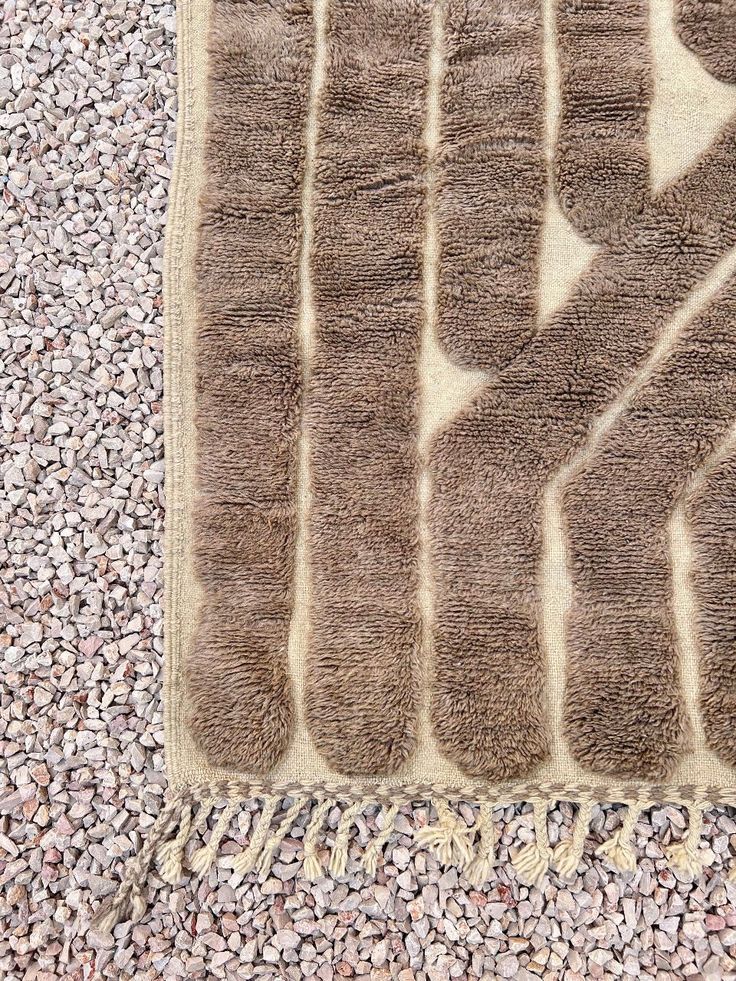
column 491, row 180
column 248, row 380
column 360, row 694
column 624, row 710
column 708, row 27
column 601, row 157
column 712, row 513
column 490, row 468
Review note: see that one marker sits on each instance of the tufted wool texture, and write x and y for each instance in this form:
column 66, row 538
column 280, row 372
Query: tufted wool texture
column 336, row 133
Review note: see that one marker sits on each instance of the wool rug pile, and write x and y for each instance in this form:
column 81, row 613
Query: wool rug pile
column 451, row 392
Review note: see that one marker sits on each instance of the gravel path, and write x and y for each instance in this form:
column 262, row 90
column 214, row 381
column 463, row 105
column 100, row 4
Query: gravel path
column 87, row 92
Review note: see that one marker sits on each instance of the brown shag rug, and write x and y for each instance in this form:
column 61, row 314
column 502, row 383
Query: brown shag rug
column 451, row 459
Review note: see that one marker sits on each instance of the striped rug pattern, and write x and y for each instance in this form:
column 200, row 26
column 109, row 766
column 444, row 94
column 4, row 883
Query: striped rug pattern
column 379, row 177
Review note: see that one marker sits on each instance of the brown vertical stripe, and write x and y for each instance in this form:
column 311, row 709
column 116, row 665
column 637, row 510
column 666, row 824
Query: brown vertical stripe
column 491, row 466
column 713, row 519
column 248, row 379
column 708, row 28
column 602, row 160
column 360, row 698
column 623, row 707
column 491, row 179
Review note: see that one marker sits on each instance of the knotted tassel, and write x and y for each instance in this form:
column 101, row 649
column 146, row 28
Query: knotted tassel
column 369, row 861
column 170, row 855
column 478, row 870
column 685, row 855
column 619, row 849
column 312, row 865
column 129, row 900
column 568, row 854
column 245, row 862
column 449, row 839
column 268, row 854
column 203, row 814
column 203, row 858
column 532, row 861
column 339, row 857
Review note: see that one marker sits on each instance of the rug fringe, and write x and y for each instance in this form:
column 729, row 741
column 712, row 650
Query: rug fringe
column 312, row 867
column 128, row 902
column 204, row 857
column 268, row 853
column 246, row 861
column 532, row 861
column 339, row 858
column 469, row 847
column 170, row 855
column 685, row 855
column 619, row 849
column 375, row 848
column 568, row 854
column 478, row 869
column 449, row 839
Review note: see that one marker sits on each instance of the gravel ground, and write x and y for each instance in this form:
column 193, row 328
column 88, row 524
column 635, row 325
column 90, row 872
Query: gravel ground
column 88, row 96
